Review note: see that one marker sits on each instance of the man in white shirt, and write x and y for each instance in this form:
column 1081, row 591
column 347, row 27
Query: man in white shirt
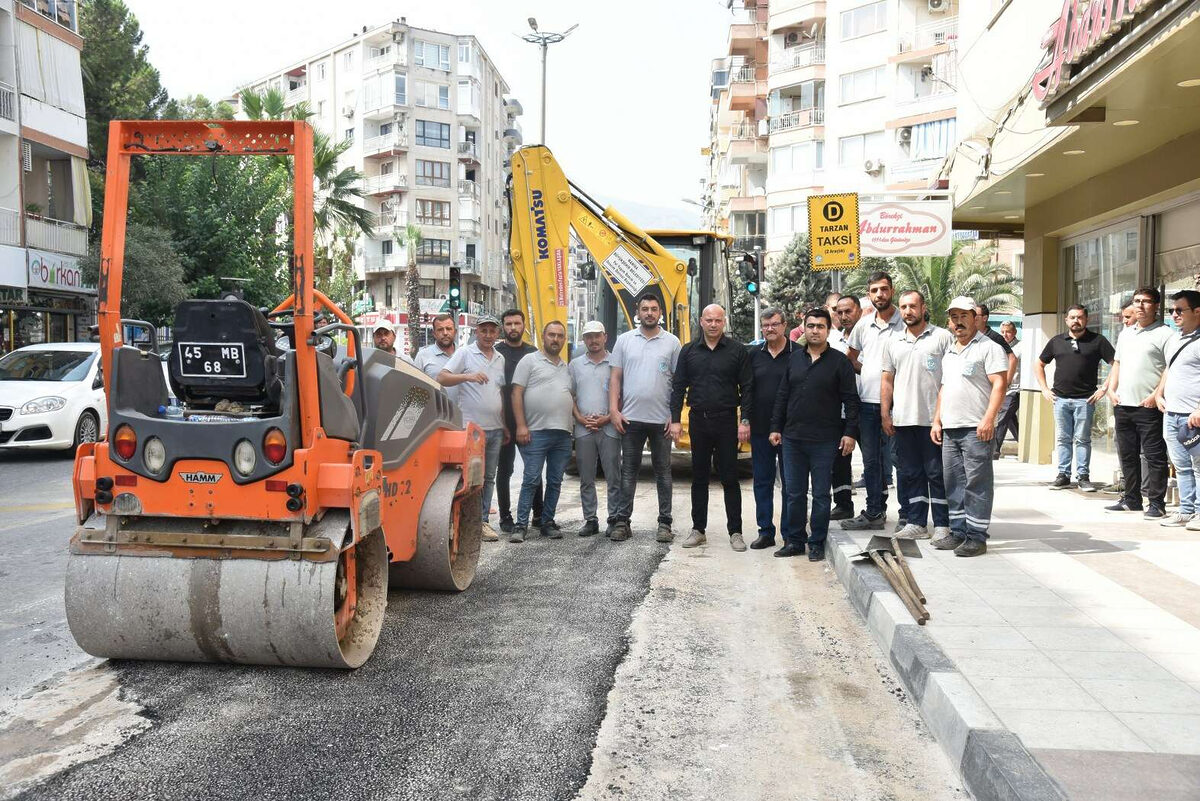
column 1178, row 398
column 974, row 375
column 595, row 437
column 432, row 358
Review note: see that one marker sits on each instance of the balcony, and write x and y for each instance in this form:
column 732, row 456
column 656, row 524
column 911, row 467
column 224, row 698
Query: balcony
column 383, row 107
column 745, row 89
column 391, row 223
column 468, row 114
column 747, row 244
column 10, row 227
column 468, row 151
column 792, row 120
column 393, row 262
column 922, row 170
column 390, row 144
column 296, row 96
column 512, row 107
column 60, row 11
column 55, row 235
column 512, row 137
column 470, row 228
column 469, row 265
column 8, row 102
column 748, row 151
column 798, row 64
column 746, row 30
column 468, row 188
column 396, row 57
column 926, row 39
column 385, row 184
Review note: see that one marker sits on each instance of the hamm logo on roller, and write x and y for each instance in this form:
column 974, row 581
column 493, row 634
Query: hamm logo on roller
column 539, row 226
column 201, row 478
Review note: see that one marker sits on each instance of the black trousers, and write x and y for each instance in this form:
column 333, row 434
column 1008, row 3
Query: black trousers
column 508, row 456
column 1140, row 436
column 715, row 432
column 1007, row 420
column 843, row 483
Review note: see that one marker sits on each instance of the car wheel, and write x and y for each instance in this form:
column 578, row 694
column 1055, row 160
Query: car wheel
column 87, row 429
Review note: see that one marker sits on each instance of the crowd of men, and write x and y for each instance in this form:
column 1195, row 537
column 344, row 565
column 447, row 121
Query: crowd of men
column 930, row 404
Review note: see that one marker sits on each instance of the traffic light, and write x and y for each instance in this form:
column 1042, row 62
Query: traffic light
column 455, row 295
column 750, row 273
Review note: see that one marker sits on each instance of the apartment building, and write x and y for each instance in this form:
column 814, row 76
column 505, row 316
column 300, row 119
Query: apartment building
column 432, row 128
column 45, row 201
column 827, row 96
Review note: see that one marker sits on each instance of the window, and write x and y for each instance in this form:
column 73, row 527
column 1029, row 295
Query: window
column 803, row 157
column 401, row 90
column 433, row 173
column 320, row 71
column 433, row 212
column 789, row 219
column 433, row 134
column 385, row 128
column 320, row 108
column 349, row 137
column 862, row 85
column 386, row 249
column 431, row 95
column 385, row 168
column 434, row 251
column 348, row 59
column 854, row 150
column 387, row 291
column 464, row 53
column 433, row 56
column 864, row 20
column 427, row 289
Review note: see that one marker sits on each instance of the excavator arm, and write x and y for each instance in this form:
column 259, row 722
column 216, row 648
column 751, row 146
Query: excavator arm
column 545, row 208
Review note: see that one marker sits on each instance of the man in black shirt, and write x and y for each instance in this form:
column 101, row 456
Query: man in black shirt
column 982, row 313
column 1077, row 355
column 769, row 362
column 714, row 372
column 807, row 420
column 513, row 349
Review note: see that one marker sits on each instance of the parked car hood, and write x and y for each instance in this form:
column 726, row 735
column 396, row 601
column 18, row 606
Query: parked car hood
column 17, row 393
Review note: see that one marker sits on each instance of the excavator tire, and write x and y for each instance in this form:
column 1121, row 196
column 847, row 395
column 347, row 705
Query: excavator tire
column 241, row 610
column 448, row 537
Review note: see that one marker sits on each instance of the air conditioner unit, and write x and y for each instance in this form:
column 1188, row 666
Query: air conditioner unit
column 792, row 39
column 904, row 135
column 938, row 6
column 873, row 166
column 347, row 111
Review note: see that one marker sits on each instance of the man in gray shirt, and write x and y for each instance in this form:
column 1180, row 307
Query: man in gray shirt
column 595, row 437
column 432, row 358
column 1178, row 398
column 639, row 395
column 542, row 407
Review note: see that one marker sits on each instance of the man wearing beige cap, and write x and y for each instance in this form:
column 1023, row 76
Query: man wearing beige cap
column 974, row 376
column 384, row 338
column 595, row 437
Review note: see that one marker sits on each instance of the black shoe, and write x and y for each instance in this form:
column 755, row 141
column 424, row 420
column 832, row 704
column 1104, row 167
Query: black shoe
column 506, row 525
column 551, row 530
column 620, row 531
column 536, row 522
column 949, row 542
column 608, row 532
column 841, row 513
column 1122, row 506
column 1086, row 485
column 1155, row 512
column 590, row 528
column 860, row 484
column 763, row 541
column 971, row 548
column 1061, row 481
column 816, row 553
column 790, row 549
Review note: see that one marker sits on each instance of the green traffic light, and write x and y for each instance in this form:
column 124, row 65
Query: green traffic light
column 752, row 287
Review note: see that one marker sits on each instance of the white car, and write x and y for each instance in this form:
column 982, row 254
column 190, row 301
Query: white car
column 51, row 396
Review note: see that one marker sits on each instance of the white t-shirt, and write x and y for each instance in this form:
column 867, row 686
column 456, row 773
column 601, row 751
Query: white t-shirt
column 869, row 336
column 966, row 380
column 481, row 404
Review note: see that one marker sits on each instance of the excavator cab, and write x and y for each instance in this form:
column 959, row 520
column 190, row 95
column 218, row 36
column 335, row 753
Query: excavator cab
column 256, row 506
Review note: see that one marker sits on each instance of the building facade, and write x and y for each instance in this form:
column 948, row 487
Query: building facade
column 432, row 128
column 45, row 202
column 1085, row 147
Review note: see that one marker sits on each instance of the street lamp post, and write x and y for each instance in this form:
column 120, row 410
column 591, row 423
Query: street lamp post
column 544, row 39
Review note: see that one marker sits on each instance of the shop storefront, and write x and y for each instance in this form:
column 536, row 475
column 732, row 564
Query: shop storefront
column 46, row 301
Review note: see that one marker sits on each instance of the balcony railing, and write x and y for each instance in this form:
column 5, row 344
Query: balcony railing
column 378, row 184
column 56, row 235
column 396, row 57
column 744, row 130
column 933, row 34
column 468, row 150
column 749, row 243
column 385, row 264
column 296, row 96
column 388, row 221
column 10, row 227
column 391, row 141
column 468, row 227
column 804, row 56
column 468, row 188
column 8, row 102
column 743, row 74
column 804, row 118
column 469, row 264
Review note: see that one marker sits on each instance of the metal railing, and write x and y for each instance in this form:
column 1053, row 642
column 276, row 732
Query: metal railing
column 391, row 219
column 804, row 118
column 469, row 264
column 56, row 235
column 385, row 264
column 930, row 35
column 377, row 144
column 468, row 188
column 744, row 130
column 804, row 56
column 743, row 74
column 468, row 149
column 395, row 58
column 8, row 102
column 749, row 243
column 10, row 227
column 376, row 184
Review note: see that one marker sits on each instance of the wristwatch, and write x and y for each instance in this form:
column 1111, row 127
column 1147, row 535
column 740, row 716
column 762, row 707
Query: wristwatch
column 745, row 422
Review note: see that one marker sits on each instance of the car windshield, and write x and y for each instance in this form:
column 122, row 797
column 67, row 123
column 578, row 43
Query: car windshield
column 46, row 365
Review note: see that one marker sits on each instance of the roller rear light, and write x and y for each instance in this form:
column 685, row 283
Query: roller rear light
column 125, row 442
column 275, row 446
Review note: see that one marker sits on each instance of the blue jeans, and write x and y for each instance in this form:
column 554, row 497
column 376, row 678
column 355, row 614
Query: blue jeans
column 877, row 460
column 766, row 459
column 919, row 480
column 550, row 449
column 805, row 462
column 967, row 463
column 1073, row 426
column 1187, row 463
column 493, row 439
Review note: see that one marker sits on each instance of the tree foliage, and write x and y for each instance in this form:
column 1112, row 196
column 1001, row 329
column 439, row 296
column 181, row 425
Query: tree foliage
column 793, row 285
column 411, row 238
column 153, row 275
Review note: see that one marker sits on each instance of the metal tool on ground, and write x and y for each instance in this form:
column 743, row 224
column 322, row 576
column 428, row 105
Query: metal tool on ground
column 888, row 554
column 269, row 533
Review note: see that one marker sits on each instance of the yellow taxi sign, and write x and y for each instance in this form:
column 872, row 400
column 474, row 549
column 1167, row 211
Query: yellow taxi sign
column 833, row 231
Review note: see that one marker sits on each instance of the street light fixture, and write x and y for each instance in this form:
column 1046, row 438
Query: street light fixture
column 544, row 40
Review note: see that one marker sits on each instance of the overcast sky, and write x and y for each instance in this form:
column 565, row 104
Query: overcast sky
column 628, row 90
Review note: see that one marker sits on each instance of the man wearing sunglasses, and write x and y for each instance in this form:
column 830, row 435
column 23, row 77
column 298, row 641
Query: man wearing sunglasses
column 1076, row 355
column 1178, row 398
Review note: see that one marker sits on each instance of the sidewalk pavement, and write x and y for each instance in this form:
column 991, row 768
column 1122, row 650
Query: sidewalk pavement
column 1078, row 631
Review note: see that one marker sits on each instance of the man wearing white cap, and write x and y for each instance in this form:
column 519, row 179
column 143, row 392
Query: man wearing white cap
column 384, row 338
column 974, row 376
column 595, row 437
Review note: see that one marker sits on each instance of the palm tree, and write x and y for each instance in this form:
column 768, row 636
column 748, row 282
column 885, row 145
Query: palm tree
column 968, row 270
column 411, row 238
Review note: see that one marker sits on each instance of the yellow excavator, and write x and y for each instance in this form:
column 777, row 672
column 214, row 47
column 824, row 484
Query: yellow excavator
column 685, row 269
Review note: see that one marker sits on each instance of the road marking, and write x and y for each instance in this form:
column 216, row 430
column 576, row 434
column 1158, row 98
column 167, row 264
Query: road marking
column 38, row 507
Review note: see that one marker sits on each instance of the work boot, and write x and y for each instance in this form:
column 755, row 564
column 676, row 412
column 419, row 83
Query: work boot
column 621, row 531
column 694, row 539
column 536, row 522
column 664, row 534
column 550, row 529
column 608, row 530
column 941, row 531
column 517, row 534
column 1061, row 481
column 1177, row 520
column 489, row 533
column 863, row 522
column 971, row 548
column 816, row 552
column 912, row 531
column 790, row 549
column 841, row 513
column 763, row 541
column 736, row 542
column 506, row 525
column 590, row 528
column 949, row 542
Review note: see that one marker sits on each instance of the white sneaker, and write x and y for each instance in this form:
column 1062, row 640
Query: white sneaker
column 913, row 532
column 1194, row 523
column 1177, row 520
column 489, row 533
column 941, row 531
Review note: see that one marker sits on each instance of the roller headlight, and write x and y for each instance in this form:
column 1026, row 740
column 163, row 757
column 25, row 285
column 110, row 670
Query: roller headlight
column 244, row 457
column 50, row 403
column 154, row 454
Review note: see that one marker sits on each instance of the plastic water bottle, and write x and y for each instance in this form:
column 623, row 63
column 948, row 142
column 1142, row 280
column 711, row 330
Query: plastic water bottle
column 174, row 412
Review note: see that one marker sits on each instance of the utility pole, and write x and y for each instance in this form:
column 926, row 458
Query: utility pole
column 544, row 39
column 758, row 262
